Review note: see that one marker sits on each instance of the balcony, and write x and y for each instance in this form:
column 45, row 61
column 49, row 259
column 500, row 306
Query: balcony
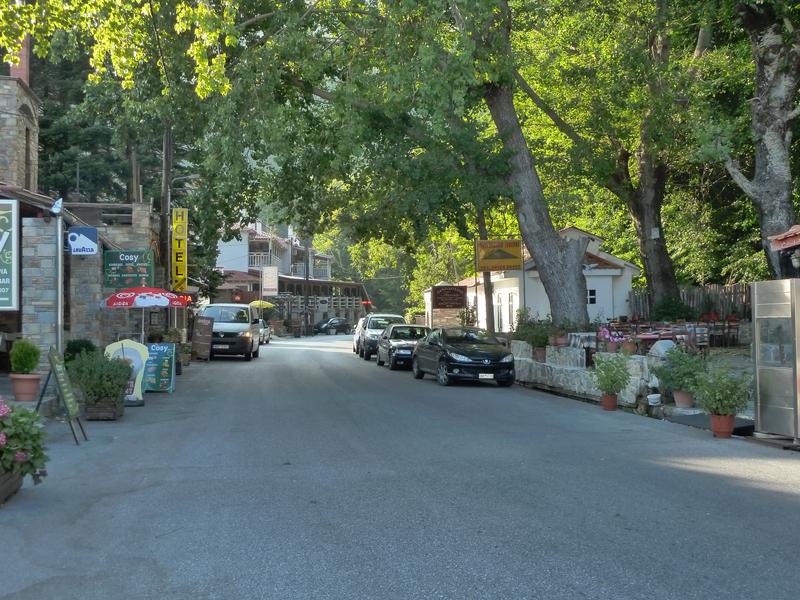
column 256, row 260
column 322, row 272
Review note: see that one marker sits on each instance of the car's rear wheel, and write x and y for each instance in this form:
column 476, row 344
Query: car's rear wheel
column 361, row 352
column 378, row 359
column 418, row 374
column 442, row 378
column 392, row 364
column 367, row 355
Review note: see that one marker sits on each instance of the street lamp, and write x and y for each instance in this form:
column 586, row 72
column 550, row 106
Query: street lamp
column 56, row 211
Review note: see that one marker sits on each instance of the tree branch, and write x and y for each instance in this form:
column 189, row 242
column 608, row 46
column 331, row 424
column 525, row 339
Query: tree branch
column 255, row 19
column 794, row 114
column 739, row 179
column 560, row 123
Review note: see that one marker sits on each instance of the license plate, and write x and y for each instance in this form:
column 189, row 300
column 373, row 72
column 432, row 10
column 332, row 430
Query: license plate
column 406, row 352
column 485, row 375
column 220, row 347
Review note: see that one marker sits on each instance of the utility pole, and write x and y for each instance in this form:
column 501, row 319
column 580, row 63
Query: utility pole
column 307, row 317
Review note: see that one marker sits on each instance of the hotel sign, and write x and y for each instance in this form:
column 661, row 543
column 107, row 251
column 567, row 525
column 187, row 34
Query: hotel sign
column 9, row 255
column 180, row 261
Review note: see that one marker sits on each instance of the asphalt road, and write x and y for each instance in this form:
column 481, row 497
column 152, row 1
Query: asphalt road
column 311, row 474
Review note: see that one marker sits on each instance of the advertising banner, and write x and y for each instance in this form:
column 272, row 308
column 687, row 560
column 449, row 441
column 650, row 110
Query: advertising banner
column 9, row 255
column 159, row 370
column 269, row 281
column 135, row 354
column 180, row 261
column 498, row 255
column 449, row 296
column 128, row 268
column 82, row 241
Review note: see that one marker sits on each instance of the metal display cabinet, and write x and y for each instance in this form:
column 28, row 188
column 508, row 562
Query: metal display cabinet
column 776, row 335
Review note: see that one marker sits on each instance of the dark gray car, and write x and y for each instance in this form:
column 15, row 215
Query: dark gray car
column 397, row 342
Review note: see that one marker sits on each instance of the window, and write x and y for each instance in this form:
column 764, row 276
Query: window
column 591, row 296
column 511, row 310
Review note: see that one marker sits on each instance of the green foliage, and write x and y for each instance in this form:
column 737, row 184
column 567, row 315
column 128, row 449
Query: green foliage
column 680, row 369
column 22, row 438
column 672, row 309
column 24, row 356
column 75, row 347
column 720, row 392
column 611, row 372
column 101, row 379
column 532, row 330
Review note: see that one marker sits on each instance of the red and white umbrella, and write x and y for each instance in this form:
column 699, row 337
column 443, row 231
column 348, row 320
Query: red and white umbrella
column 145, row 297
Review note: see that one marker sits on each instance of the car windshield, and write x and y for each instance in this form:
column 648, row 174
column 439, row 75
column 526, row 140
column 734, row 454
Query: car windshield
column 227, row 314
column 408, row 333
column 383, row 322
column 458, row 335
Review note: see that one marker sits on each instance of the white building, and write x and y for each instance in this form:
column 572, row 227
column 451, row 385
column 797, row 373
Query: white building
column 608, row 283
column 241, row 262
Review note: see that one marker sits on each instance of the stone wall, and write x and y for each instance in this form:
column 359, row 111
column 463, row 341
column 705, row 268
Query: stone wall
column 18, row 113
column 85, row 296
column 39, row 281
column 565, row 372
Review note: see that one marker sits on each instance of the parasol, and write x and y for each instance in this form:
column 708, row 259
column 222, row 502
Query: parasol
column 144, row 297
column 261, row 304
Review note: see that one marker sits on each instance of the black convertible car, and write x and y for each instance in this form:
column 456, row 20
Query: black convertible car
column 463, row 353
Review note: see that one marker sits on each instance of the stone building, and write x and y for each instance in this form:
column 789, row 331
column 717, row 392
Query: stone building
column 29, row 244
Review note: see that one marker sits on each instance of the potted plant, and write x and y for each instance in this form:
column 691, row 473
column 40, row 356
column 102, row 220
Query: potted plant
column 722, row 394
column 21, row 448
column 611, row 375
column 534, row 332
column 24, row 360
column 102, row 382
column 678, row 373
column 76, row 346
column 185, row 353
column 611, row 338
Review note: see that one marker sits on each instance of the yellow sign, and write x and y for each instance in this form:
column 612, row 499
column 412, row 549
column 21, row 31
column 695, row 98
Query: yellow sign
column 180, row 262
column 498, row 255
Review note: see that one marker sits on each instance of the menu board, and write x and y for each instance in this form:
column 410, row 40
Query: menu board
column 128, row 268
column 159, row 370
column 63, row 384
column 201, row 337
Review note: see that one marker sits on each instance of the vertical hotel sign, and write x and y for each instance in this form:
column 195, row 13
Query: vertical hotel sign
column 180, row 234
column 9, row 255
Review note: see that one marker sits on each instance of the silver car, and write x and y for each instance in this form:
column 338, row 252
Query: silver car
column 357, row 333
column 373, row 328
column 397, row 342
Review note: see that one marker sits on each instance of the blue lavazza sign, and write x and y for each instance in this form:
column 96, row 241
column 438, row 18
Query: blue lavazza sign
column 82, row 241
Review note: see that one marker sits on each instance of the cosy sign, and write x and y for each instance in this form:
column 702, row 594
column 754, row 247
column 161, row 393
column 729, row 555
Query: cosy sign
column 9, row 255
column 180, row 260
column 449, row 296
column 128, row 268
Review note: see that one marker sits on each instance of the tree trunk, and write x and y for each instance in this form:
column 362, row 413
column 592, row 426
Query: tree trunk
column 166, row 190
column 558, row 261
column 775, row 44
column 488, row 291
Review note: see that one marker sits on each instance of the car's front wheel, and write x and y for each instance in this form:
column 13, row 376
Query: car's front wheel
column 418, row 373
column 378, row 359
column 442, row 377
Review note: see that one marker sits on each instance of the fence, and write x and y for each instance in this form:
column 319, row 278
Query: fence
column 722, row 299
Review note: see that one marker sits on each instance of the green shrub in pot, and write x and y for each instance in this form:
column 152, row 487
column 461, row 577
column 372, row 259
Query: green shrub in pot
column 611, row 373
column 680, row 369
column 719, row 391
column 24, row 357
column 101, row 379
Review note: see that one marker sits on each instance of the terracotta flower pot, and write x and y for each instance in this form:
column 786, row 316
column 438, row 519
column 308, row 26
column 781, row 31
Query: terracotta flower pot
column 9, row 485
column 629, row 347
column 25, row 386
column 722, row 425
column 683, row 399
column 609, row 401
column 612, row 346
column 562, row 341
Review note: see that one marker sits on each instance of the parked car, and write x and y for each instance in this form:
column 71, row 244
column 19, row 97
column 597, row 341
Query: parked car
column 264, row 332
column 357, row 332
column 397, row 342
column 463, row 353
column 373, row 327
column 333, row 325
column 236, row 329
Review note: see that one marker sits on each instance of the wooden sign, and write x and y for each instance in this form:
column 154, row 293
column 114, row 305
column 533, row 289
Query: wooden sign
column 201, row 337
column 449, row 296
column 65, row 391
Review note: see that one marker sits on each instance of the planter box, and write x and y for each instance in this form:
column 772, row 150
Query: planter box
column 104, row 411
column 9, row 485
